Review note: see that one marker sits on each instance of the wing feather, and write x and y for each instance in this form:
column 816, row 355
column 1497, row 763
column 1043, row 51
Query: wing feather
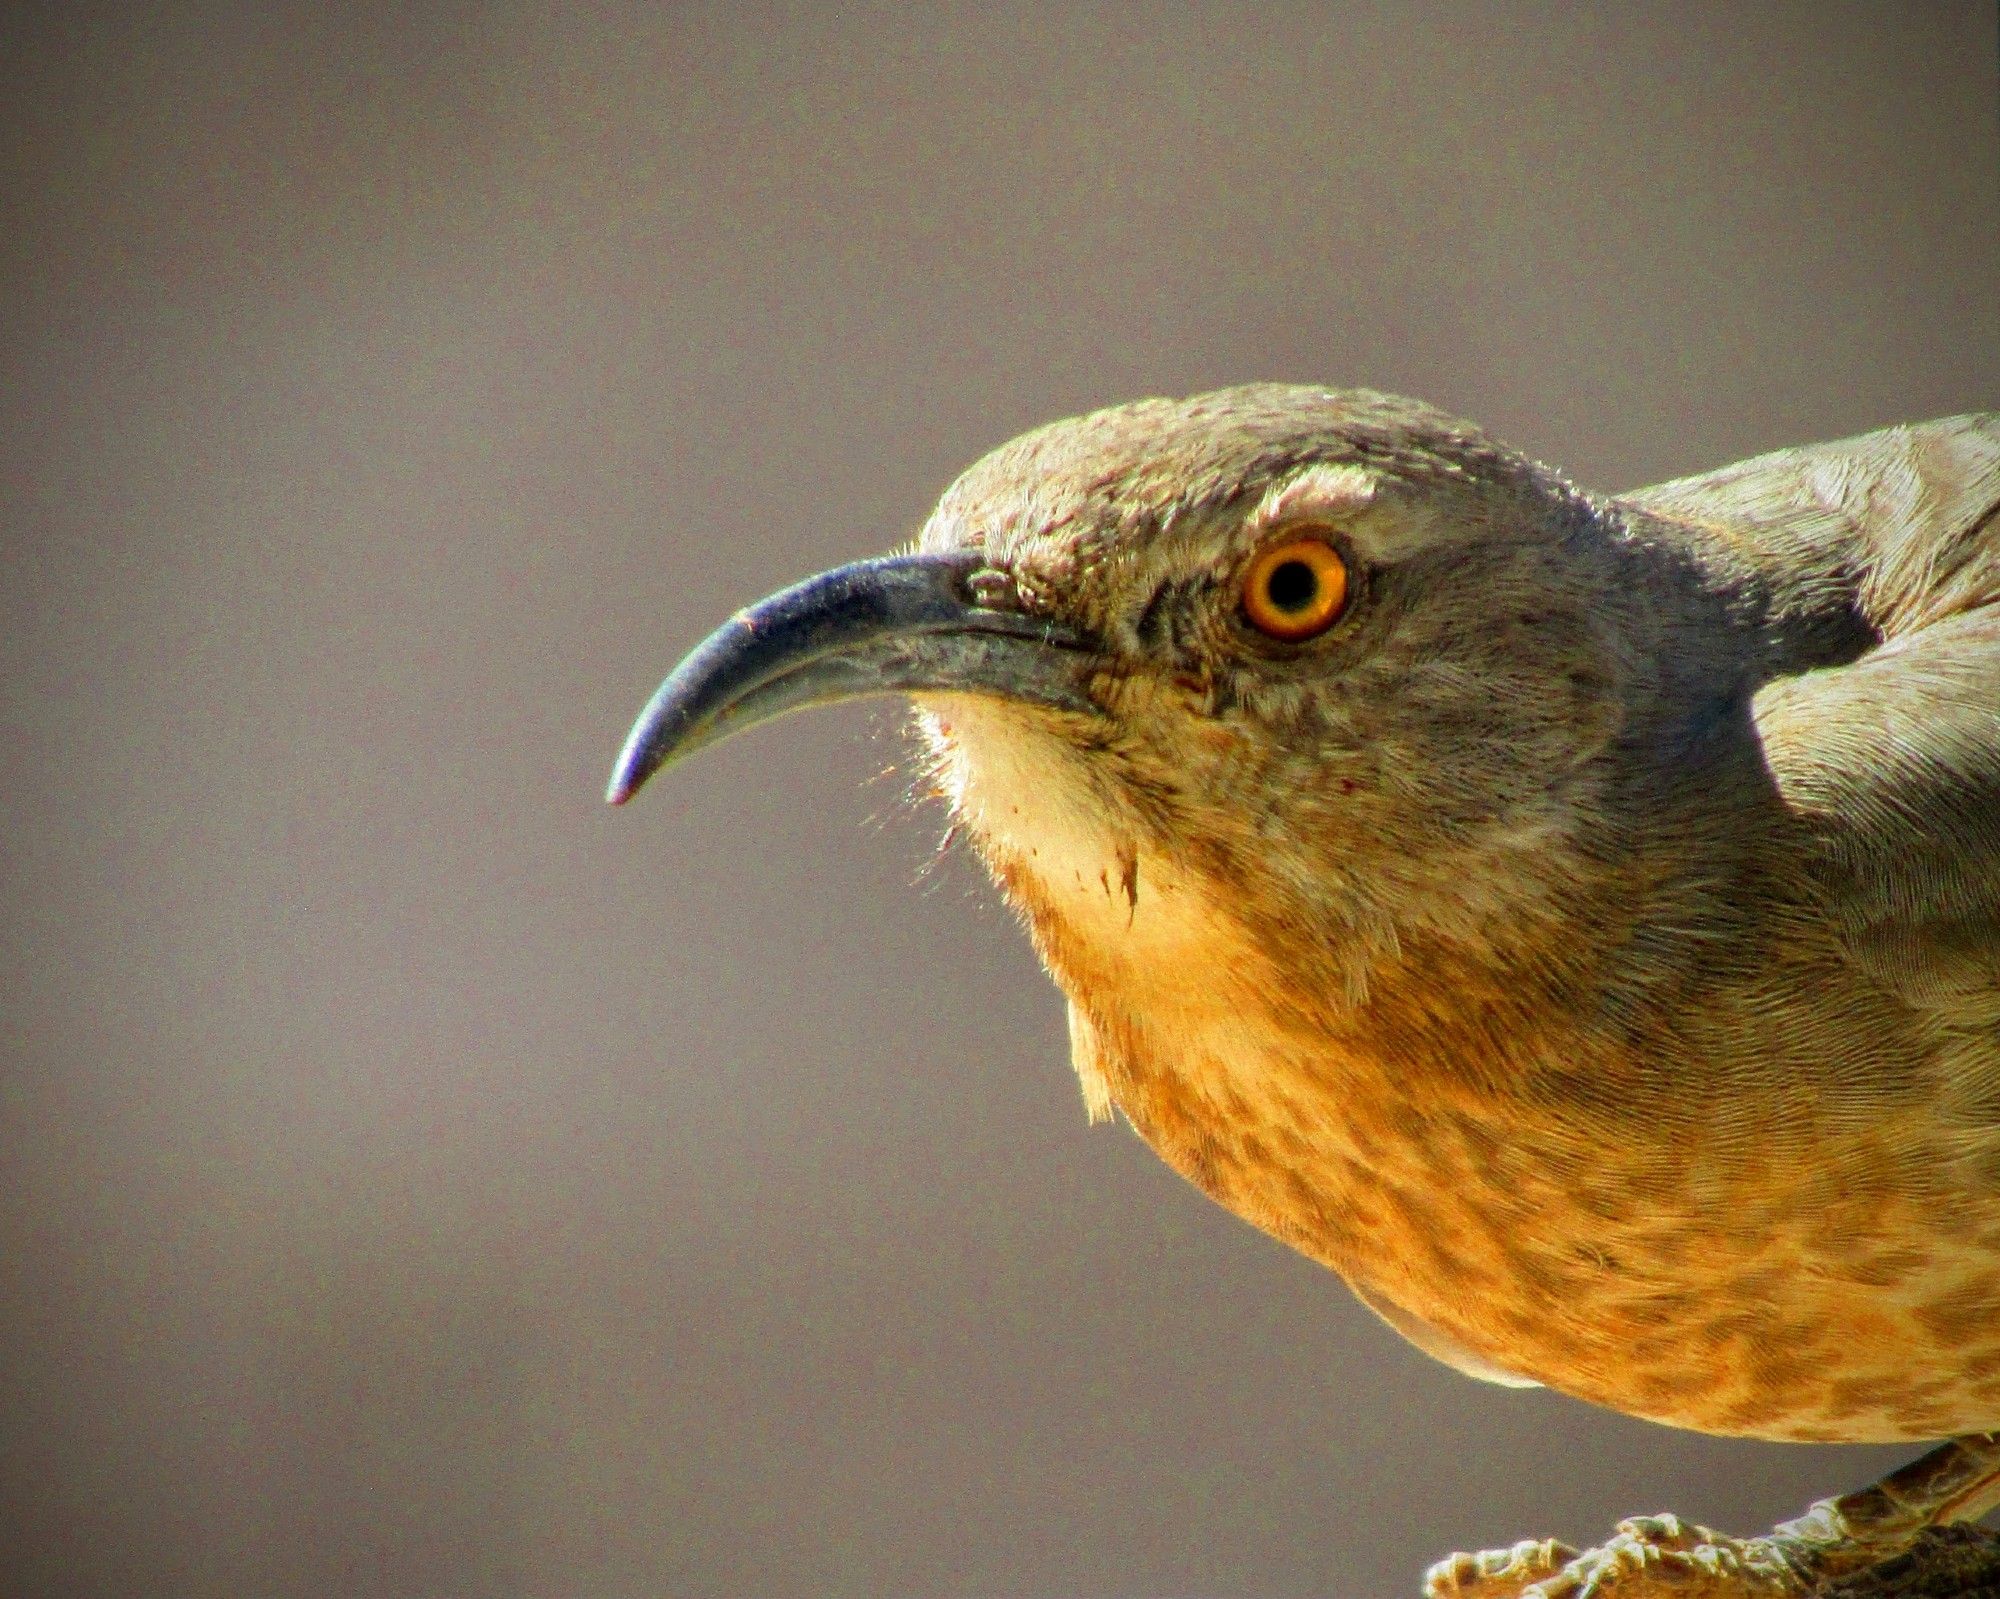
column 1893, row 759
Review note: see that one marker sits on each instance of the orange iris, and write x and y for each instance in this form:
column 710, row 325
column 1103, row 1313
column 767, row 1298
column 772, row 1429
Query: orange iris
column 1296, row 589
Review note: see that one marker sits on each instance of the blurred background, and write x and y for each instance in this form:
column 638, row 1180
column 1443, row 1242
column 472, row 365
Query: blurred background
column 416, row 1178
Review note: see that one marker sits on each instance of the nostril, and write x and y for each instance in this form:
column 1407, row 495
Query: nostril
column 993, row 590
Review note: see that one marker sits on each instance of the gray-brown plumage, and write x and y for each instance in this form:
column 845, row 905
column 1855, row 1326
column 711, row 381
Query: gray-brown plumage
column 1575, row 920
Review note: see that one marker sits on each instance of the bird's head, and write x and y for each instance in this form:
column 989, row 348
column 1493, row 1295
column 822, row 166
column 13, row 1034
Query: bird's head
column 1278, row 678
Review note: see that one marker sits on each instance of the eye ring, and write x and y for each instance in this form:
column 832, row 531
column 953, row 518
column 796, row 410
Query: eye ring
column 1296, row 589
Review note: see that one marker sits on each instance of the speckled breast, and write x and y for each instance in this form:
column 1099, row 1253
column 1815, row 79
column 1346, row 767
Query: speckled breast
column 1811, row 1287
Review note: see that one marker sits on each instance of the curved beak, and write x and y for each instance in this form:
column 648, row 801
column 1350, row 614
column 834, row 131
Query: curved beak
column 897, row 624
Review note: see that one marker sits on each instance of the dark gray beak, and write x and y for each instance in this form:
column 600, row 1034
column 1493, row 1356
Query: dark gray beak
column 899, row 624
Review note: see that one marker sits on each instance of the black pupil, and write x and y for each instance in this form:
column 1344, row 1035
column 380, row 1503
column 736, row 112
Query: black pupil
column 1292, row 585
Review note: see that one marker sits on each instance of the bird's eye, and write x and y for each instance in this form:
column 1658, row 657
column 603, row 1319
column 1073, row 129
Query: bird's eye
column 1296, row 589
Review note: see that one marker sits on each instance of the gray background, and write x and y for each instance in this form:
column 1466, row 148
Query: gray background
column 416, row 1178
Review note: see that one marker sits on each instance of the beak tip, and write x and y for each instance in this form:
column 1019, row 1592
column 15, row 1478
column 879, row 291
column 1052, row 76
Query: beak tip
column 626, row 780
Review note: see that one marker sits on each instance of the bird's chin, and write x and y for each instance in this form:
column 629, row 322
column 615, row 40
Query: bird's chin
column 1117, row 918
column 1001, row 768
column 1017, row 782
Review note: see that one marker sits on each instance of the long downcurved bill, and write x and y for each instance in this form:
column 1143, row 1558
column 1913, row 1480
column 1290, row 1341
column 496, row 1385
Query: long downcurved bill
column 896, row 624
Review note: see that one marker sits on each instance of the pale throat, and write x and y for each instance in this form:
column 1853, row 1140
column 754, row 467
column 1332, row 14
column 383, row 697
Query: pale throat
column 1139, row 945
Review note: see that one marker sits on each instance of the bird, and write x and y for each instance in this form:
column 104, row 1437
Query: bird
column 1574, row 919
